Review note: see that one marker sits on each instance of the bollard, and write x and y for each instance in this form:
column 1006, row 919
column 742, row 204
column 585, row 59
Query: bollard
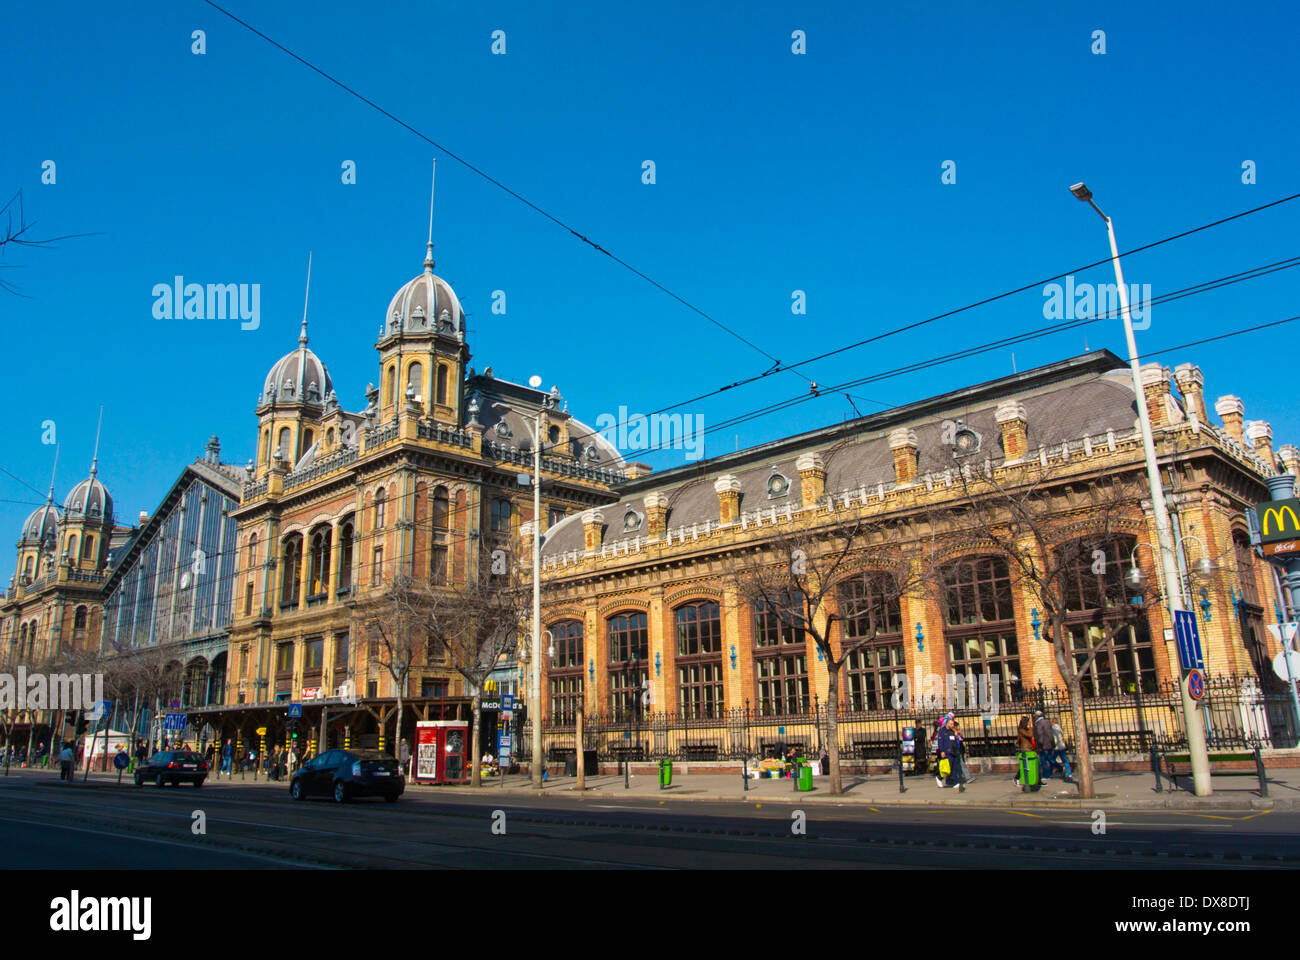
column 901, row 788
column 1259, row 770
column 1155, row 768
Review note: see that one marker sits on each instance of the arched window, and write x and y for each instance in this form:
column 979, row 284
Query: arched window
column 266, row 446
column 79, row 619
column 29, row 568
column 291, row 576
column 72, row 545
column 440, row 510
column 980, row 625
column 629, row 650
column 415, row 379
column 347, row 534
column 873, row 620
column 1099, row 616
column 554, row 434
column 320, row 563
column 442, row 384
column 381, row 507
column 390, row 379
column 699, row 660
column 88, row 548
column 252, row 552
column 329, row 437
column 308, row 438
column 565, row 675
column 283, row 445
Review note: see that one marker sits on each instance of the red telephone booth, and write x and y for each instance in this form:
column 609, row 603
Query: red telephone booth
column 441, row 751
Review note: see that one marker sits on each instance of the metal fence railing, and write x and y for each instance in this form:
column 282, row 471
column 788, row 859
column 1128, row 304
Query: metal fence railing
column 1238, row 715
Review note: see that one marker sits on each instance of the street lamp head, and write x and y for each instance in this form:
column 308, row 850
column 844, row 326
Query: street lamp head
column 1081, row 192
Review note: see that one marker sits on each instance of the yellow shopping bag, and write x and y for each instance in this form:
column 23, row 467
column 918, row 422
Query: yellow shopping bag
column 945, row 768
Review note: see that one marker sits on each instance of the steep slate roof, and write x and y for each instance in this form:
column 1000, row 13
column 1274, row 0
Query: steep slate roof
column 1066, row 401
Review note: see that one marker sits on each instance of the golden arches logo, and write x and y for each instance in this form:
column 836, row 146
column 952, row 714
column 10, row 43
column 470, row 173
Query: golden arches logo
column 1278, row 515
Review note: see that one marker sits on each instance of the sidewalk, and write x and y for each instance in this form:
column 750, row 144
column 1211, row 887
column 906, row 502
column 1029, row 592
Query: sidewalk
column 1117, row 790
column 1113, row 790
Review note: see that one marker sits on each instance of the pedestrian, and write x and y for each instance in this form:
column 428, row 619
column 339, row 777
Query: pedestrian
column 403, row 756
column 1060, row 758
column 964, row 771
column 825, row 763
column 945, row 745
column 225, row 758
column 1024, row 744
column 1045, row 742
column 65, row 762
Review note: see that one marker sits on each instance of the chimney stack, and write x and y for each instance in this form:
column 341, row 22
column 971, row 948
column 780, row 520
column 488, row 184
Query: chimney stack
column 1155, row 384
column 1191, row 384
column 1261, row 438
column 906, row 462
column 1230, row 409
column 656, row 512
column 1290, row 458
column 1015, row 430
column 593, row 526
column 727, row 488
column 812, row 478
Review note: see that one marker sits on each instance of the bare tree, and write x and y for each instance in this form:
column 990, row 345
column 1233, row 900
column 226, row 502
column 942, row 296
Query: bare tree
column 18, row 233
column 396, row 621
column 1064, row 541
column 819, row 575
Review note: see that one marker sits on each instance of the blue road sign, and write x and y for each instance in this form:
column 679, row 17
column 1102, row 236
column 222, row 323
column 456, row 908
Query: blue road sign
column 174, row 721
column 1189, row 640
column 295, row 710
column 120, row 761
column 503, row 749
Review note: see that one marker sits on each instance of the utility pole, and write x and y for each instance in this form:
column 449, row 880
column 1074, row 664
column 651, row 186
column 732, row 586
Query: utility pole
column 1192, row 719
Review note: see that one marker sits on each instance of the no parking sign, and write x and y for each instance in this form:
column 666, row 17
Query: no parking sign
column 1196, row 684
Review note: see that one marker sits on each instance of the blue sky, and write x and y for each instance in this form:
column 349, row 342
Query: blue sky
column 775, row 172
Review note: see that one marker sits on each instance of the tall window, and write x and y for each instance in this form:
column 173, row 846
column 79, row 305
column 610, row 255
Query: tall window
column 377, row 566
column 780, row 658
column 872, row 617
column 699, row 660
column 252, row 552
column 320, row 562
column 283, row 445
column 389, row 384
column 500, row 516
column 88, row 548
column 442, row 384
column 341, row 644
column 415, row 380
column 291, row 576
column 565, row 675
column 314, row 654
column 347, row 534
column 440, row 508
column 248, row 600
column 79, row 619
column 980, row 626
column 438, row 564
column 629, row 649
column 284, row 658
column 1250, row 614
column 381, row 507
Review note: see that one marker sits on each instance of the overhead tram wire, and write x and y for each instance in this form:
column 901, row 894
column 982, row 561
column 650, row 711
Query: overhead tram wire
column 454, row 540
column 513, row 193
column 777, row 366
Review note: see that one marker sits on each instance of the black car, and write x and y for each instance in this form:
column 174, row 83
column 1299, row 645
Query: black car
column 346, row 774
column 172, row 766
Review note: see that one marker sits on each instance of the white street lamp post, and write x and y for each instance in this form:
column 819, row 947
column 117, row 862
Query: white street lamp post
column 1168, row 564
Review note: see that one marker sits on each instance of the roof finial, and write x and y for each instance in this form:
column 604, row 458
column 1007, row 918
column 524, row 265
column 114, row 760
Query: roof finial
column 428, row 256
column 94, row 462
column 302, row 337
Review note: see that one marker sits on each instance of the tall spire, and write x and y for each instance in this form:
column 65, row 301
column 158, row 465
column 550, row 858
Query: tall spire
column 302, row 336
column 94, row 462
column 428, row 256
column 49, row 502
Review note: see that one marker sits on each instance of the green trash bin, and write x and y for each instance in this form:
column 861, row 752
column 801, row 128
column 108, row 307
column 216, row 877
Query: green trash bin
column 665, row 773
column 805, row 777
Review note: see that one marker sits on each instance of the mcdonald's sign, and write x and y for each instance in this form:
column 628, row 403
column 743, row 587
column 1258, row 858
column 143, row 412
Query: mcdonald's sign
column 1279, row 526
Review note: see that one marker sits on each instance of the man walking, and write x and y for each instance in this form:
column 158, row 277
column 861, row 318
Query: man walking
column 1045, row 743
column 65, row 762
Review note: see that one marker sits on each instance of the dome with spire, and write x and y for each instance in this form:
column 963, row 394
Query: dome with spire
column 423, row 305
column 297, row 377
column 41, row 525
column 89, row 500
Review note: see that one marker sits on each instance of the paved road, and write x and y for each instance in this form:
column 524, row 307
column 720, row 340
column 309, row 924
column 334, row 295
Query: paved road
column 259, row 826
